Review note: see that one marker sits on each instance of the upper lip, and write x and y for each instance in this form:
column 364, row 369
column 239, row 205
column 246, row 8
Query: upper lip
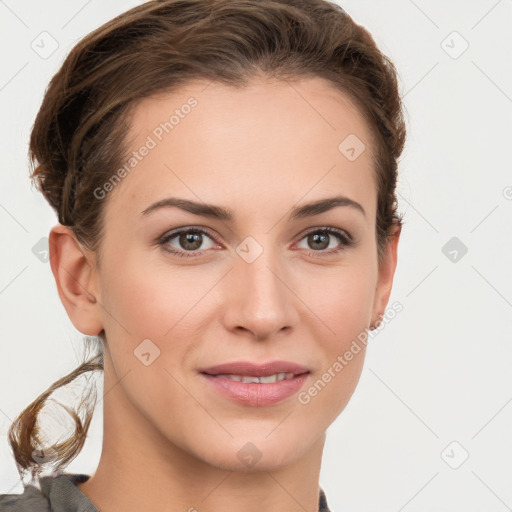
column 255, row 370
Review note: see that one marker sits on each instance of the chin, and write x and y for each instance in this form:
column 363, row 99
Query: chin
column 245, row 456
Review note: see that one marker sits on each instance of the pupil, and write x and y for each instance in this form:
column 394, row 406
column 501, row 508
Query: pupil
column 321, row 238
column 190, row 237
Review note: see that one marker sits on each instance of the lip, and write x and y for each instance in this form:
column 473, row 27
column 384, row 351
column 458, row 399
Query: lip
column 255, row 394
column 255, row 370
column 251, row 393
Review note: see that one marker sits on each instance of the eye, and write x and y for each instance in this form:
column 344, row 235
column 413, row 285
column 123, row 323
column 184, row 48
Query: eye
column 189, row 239
column 188, row 242
column 320, row 239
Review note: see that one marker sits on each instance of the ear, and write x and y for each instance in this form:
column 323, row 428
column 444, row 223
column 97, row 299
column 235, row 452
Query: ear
column 73, row 272
column 386, row 273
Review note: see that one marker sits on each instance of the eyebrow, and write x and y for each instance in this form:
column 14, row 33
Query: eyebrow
column 220, row 213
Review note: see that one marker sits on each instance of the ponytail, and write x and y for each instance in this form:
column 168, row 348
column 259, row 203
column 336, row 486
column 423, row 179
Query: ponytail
column 32, row 454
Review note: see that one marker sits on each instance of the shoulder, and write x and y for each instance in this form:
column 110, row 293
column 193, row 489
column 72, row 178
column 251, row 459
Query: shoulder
column 322, row 504
column 58, row 492
column 32, row 499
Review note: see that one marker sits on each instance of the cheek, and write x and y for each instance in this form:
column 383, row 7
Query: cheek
column 343, row 300
column 333, row 387
column 145, row 330
column 133, row 302
column 149, row 298
column 345, row 306
column 161, row 305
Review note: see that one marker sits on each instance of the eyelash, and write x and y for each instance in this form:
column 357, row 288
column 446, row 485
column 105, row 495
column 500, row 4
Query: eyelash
column 346, row 240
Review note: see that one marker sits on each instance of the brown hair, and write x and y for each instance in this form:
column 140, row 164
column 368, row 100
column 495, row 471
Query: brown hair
column 79, row 136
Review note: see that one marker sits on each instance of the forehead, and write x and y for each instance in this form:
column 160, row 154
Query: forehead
column 271, row 140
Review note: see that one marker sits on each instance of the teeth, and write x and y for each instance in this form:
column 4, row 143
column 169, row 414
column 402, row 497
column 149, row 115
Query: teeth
column 270, row 378
column 263, row 380
column 249, row 379
column 234, row 377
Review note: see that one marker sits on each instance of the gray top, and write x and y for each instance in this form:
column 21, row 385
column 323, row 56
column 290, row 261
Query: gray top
column 59, row 493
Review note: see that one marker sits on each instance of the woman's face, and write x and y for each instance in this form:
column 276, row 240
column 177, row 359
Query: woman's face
column 261, row 286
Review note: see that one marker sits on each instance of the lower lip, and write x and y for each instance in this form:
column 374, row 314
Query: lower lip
column 256, row 394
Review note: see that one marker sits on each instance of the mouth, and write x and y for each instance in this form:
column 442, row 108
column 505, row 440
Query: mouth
column 266, row 379
column 266, row 373
column 256, row 385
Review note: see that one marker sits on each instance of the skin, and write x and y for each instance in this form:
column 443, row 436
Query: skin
column 170, row 441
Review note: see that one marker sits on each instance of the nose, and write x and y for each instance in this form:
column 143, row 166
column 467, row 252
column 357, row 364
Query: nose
column 259, row 296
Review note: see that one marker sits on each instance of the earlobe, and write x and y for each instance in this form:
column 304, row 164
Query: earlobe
column 385, row 281
column 73, row 273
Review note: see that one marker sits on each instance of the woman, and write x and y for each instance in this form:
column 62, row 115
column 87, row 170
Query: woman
column 224, row 177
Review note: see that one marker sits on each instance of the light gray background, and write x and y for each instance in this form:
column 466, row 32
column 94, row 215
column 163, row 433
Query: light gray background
column 440, row 371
